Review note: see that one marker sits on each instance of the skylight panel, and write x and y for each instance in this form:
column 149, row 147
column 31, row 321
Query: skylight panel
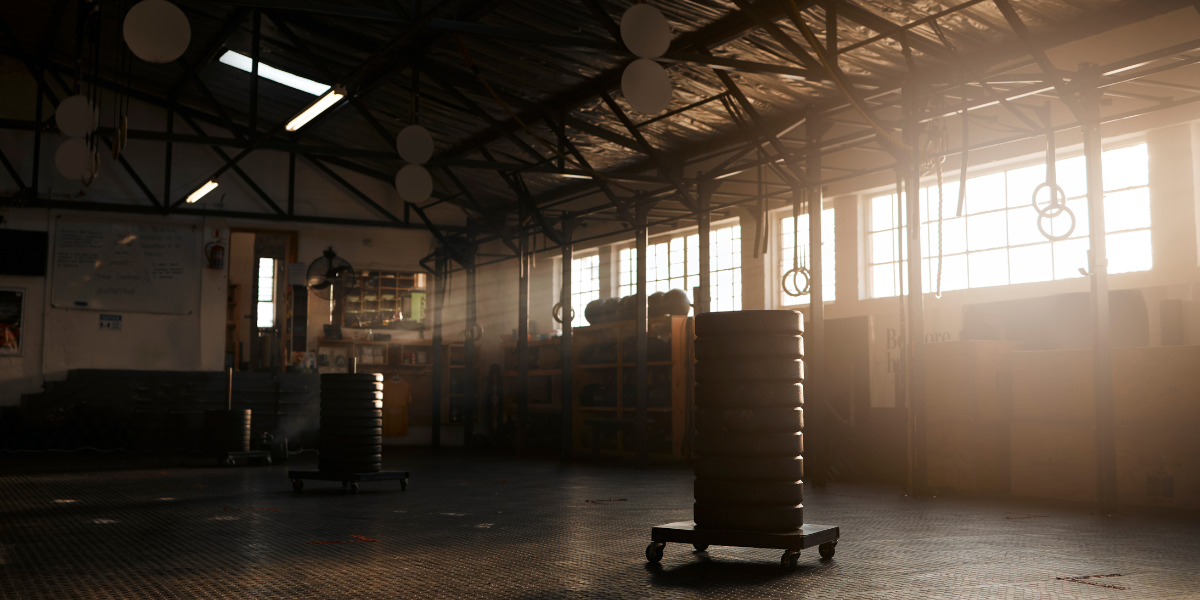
column 243, row 62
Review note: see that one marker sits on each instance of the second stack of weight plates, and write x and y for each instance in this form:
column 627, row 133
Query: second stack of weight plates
column 749, row 382
column 351, row 422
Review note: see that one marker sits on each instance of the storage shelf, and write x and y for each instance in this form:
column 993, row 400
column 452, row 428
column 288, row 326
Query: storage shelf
column 540, row 372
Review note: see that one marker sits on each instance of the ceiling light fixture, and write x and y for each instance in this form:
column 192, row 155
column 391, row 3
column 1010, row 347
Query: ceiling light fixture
column 245, row 63
column 204, row 189
column 324, row 102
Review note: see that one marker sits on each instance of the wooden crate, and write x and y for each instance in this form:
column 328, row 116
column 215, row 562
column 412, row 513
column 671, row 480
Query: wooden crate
column 968, row 408
column 1155, row 391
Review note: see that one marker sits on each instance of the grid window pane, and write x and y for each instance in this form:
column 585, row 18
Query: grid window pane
column 999, row 242
column 585, row 284
column 1031, row 263
column 675, row 264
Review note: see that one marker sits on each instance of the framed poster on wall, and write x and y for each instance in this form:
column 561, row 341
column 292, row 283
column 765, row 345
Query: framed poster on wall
column 12, row 317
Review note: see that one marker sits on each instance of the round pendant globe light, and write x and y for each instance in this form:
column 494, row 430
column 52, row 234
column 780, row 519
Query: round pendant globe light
column 157, row 31
column 414, row 144
column 75, row 116
column 73, row 158
column 414, row 183
column 647, row 86
column 645, row 31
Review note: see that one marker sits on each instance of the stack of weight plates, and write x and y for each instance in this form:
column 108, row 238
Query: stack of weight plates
column 227, row 430
column 749, row 374
column 351, row 422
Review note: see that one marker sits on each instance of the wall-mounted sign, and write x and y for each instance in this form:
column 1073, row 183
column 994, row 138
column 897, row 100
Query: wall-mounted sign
column 110, row 322
column 12, row 318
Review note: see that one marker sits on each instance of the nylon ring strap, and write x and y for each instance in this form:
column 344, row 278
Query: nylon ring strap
column 1058, row 198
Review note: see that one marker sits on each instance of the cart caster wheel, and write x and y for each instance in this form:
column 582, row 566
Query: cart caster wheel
column 789, row 559
column 403, row 484
column 700, row 547
column 297, row 485
column 827, row 549
column 354, row 488
column 229, row 462
column 654, row 552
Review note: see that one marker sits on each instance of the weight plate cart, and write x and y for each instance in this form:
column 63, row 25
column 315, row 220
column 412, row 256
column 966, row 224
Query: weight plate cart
column 824, row 537
column 229, row 459
column 349, row 481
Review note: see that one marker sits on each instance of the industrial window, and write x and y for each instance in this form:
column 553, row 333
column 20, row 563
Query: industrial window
column 266, row 292
column 997, row 241
column 788, row 253
column 676, row 264
column 585, row 283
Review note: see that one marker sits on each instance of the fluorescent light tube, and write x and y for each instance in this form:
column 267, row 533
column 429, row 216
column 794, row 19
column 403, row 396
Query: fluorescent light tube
column 316, row 108
column 245, row 63
column 204, row 189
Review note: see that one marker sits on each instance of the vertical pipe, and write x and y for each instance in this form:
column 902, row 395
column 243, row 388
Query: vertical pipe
column 522, row 342
column 37, row 134
column 228, row 388
column 167, row 169
column 255, row 43
column 814, row 337
column 1106, row 451
column 291, row 184
column 439, row 291
column 471, row 385
column 568, row 392
column 642, row 452
column 916, row 307
column 703, row 300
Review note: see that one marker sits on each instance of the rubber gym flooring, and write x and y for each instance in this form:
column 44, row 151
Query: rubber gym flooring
column 476, row 527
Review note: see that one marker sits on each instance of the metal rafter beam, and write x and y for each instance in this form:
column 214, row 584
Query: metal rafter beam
column 685, row 197
column 352, row 189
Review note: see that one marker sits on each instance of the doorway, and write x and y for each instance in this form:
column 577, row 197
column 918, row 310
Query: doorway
column 261, row 301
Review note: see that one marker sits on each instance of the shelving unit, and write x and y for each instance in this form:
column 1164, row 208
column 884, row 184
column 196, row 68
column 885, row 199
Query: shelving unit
column 605, row 400
column 378, row 298
column 545, row 373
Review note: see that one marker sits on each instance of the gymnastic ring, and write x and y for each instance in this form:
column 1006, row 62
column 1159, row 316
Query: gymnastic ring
column 793, row 273
column 557, row 313
column 1057, row 238
column 474, row 333
column 1059, row 203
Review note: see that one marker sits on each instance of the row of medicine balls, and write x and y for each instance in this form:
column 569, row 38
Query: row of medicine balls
column 658, row 304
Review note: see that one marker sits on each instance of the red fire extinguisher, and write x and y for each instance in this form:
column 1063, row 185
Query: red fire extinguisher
column 215, row 252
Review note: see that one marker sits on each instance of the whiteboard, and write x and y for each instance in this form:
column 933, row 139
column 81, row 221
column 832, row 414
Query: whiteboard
column 125, row 267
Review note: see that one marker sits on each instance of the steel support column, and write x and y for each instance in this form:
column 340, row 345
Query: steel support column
column 568, row 393
column 703, row 297
column 916, row 307
column 522, row 339
column 642, row 457
column 1106, row 450
column 814, row 336
column 469, row 351
column 439, row 295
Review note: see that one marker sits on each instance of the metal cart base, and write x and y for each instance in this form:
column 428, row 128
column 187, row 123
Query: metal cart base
column 229, row 459
column 349, row 480
column 825, row 537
